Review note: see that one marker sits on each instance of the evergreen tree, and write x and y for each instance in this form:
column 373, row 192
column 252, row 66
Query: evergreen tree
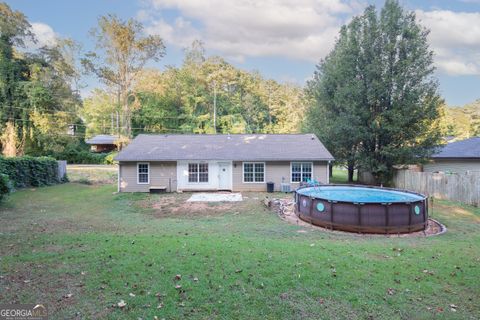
column 374, row 98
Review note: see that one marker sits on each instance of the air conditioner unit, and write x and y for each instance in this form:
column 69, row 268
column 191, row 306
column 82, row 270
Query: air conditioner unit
column 285, row 187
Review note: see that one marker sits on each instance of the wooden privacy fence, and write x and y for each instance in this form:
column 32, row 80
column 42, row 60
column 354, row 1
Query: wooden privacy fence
column 463, row 187
column 62, row 169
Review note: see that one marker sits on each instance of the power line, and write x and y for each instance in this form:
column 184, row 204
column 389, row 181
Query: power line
column 106, row 116
column 85, row 126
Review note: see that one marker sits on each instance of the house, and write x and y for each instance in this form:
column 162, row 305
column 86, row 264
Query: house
column 456, row 157
column 102, row 143
column 237, row 162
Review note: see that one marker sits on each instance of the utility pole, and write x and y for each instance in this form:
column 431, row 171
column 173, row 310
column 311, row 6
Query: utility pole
column 118, row 124
column 215, row 106
column 111, row 124
column 270, row 106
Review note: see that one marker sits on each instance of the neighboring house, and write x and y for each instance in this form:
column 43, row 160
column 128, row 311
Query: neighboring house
column 456, row 157
column 237, row 162
column 102, row 143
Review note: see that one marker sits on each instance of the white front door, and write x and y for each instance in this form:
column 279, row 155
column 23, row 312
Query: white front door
column 225, row 176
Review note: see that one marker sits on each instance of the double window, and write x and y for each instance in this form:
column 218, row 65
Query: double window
column 301, row 171
column 143, row 173
column 253, row 172
column 197, row 172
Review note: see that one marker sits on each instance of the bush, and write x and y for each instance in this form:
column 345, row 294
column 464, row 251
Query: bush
column 5, row 186
column 80, row 156
column 75, row 155
column 109, row 158
column 29, row 171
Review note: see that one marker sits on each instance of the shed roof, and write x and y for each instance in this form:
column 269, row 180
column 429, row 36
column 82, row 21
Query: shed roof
column 102, row 139
column 467, row 149
column 260, row 147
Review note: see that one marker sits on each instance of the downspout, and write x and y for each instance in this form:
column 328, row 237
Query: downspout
column 328, row 172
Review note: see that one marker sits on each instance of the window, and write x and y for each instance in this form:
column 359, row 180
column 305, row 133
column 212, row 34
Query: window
column 197, row 172
column 301, row 171
column 143, row 173
column 253, row 172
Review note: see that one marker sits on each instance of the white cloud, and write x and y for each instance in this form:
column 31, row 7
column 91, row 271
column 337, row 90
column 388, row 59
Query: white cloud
column 44, row 34
column 302, row 29
column 455, row 39
column 179, row 33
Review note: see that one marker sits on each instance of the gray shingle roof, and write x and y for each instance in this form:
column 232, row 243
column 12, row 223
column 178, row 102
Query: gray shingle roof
column 265, row 147
column 469, row 148
column 102, row 139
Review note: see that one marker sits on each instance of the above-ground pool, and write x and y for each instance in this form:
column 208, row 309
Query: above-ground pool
column 362, row 209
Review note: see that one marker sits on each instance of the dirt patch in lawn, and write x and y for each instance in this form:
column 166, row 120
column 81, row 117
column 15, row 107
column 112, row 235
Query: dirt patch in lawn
column 304, row 306
column 25, row 282
column 175, row 205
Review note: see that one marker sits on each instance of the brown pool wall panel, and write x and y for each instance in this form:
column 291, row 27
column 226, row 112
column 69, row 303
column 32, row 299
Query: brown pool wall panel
column 384, row 218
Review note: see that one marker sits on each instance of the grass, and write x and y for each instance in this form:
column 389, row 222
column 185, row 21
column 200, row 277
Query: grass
column 82, row 248
column 340, row 175
column 92, row 174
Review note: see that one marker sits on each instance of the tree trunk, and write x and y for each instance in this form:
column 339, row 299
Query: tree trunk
column 9, row 140
column 351, row 171
column 330, row 169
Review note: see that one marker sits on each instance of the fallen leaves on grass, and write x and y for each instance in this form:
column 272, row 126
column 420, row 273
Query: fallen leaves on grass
column 121, row 304
column 333, row 271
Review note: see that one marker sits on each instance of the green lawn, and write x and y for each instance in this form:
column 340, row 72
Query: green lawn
column 340, row 175
column 89, row 174
column 81, row 249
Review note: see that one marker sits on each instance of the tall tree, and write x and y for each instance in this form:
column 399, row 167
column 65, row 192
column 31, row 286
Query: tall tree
column 122, row 50
column 37, row 99
column 14, row 31
column 375, row 96
column 208, row 92
column 463, row 122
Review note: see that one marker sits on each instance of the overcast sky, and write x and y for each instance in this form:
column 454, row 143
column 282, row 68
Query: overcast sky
column 283, row 39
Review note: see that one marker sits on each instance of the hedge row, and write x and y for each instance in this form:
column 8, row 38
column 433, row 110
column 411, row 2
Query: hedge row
column 5, row 186
column 80, row 156
column 29, row 171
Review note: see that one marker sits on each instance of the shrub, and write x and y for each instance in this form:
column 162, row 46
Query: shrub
column 109, row 158
column 80, row 156
column 29, row 171
column 75, row 155
column 5, row 186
